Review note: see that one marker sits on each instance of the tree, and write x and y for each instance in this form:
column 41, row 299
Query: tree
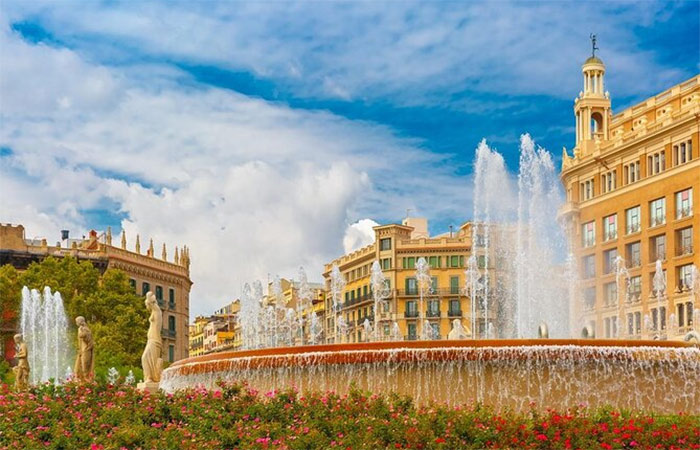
column 115, row 314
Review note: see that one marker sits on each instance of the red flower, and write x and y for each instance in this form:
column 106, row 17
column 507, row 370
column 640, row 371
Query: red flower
column 439, row 440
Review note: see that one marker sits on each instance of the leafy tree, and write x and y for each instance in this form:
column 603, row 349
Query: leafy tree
column 10, row 300
column 115, row 314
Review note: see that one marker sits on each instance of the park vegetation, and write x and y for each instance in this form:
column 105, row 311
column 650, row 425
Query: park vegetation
column 118, row 417
column 115, row 314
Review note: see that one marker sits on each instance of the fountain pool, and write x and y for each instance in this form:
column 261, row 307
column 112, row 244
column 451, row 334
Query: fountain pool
column 513, row 374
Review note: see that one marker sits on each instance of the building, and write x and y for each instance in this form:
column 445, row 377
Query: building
column 168, row 279
column 196, row 336
column 632, row 188
column 397, row 248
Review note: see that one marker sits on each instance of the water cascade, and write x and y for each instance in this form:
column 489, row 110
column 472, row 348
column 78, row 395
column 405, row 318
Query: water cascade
column 44, row 325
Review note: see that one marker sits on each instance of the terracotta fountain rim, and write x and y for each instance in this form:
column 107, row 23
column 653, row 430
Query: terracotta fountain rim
column 407, row 345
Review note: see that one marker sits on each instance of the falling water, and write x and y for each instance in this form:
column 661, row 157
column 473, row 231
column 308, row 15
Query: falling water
column 425, row 288
column 659, row 281
column 527, row 289
column 621, row 275
column 336, row 288
column 44, row 326
column 380, row 292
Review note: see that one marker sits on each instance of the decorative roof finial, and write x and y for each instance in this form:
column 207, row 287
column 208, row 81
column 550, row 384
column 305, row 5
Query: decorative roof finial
column 108, row 237
column 123, row 239
column 138, row 244
column 594, row 39
column 150, row 252
column 164, row 254
column 177, row 256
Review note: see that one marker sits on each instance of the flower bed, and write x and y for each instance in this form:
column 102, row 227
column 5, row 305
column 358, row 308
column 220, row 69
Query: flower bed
column 119, row 417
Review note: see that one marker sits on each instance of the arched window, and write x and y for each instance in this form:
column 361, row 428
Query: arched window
column 596, row 125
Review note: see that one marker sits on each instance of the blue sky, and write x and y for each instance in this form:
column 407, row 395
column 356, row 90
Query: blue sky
column 230, row 123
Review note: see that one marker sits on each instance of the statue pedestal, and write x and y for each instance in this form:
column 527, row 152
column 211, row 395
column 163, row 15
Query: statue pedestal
column 149, row 386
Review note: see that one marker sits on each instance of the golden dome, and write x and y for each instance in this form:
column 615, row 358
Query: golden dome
column 594, row 60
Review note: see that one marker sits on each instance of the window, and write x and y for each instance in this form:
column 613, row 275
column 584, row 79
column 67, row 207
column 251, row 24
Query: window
column 132, row 283
column 683, row 152
column 634, row 287
column 455, row 261
column 657, row 247
column 684, row 203
column 436, row 329
column 385, row 244
column 386, row 329
column 589, row 298
column 609, row 181
column 433, row 308
column 657, row 212
column 411, row 286
column 434, row 262
column 411, row 331
column 171, row 298
column 481, row 261
column 409, row 263
column 634, row 254
column 656, row 163
column 433, row 284
column 587, row 190
column 611, row 327
column 680, row 309
column 171, row 353
column 689, row 313
column 454, row 284
column 658, row 318
column 588, row 233
column 633, row 219
column 634, row 323
column 145, row 288
column 610, row 290
column 455, row 308
column 588, row 266
column 386, row 263
column 171, row 324
column 411, row 309
column 609, row 257
column 610, row 227
column 684, row 241
column 631, row 172
column 685, row 277
column 159, row 295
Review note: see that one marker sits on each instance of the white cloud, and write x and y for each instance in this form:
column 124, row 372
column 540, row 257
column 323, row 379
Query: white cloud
column 358, row 235
column 413, row 52
column 251, row 187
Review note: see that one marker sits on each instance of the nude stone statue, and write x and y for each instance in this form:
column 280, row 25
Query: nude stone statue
column 457, row 331
column 84, row 362
column 21, row 370
column 152, row 360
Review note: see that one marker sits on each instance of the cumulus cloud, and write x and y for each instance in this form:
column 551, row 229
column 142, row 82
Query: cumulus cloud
column 252, row 187
column 365, row 50
column 358, row 235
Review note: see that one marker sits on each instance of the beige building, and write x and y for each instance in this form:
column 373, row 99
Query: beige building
column 398, row 248
column 168, row 279
column 632, row 188
column 290, row 296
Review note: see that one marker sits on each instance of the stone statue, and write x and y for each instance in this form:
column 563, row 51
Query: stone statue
column 457, row 331
column 152, row 360
column 21, row 370
column 84, row 362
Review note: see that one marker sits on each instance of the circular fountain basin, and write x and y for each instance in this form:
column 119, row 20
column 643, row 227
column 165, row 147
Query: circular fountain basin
column 658, row 376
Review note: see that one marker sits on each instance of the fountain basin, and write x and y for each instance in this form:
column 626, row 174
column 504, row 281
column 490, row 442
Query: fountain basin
column 505, row 374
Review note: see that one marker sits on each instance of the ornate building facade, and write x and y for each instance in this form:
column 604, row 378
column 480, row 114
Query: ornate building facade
column 632, row 202
column 397, row 248
column 168, row 279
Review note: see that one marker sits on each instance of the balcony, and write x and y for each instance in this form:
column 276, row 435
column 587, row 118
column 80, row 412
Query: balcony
column 433, row 313
column 610, row 235
column 171, row 305
column 633, row 228
column 684, row 250
column 411, row 337
column 454, row 313
column 635, row 297
column 166, row 332
column 410, row 313
column 682, row 213
column 633, row 262
column 657, row 221
column 588, row 242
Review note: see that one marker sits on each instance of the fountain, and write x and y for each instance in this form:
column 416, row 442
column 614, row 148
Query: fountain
column 515, row 295
column 44, row 325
